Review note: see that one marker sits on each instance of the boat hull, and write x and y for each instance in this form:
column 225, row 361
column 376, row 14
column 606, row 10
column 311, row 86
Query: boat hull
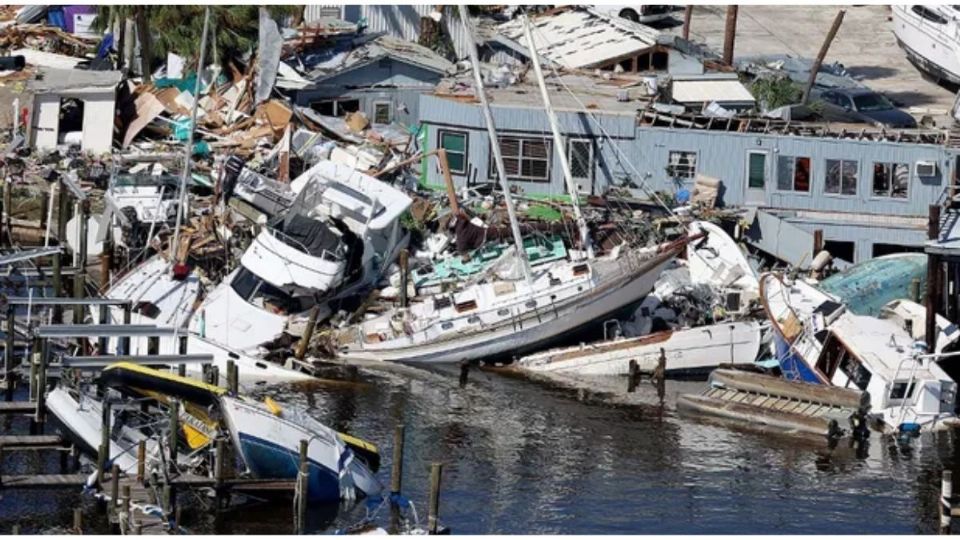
column 270, row 447
column 532, row 332
column 689, row 352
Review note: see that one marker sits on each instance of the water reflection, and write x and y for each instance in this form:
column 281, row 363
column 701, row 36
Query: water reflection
column 523, row 457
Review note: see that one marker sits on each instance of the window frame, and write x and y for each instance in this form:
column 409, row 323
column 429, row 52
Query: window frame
column 793, row 175
column 671, row 173
column 590, row 161
column 466, row 149
column 389, row 106
column 519, row 177
column 889, row 196
column 826, row 178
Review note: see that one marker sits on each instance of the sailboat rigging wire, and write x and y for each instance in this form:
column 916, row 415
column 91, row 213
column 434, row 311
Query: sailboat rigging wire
column 605, row 133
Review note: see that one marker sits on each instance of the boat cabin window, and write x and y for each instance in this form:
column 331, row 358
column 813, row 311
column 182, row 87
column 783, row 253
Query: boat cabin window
column 855, row 370
column 830, row 357
column 900, row 390
column 929, row 14
column 467, row 305
column 531, row 304
column 446, row 326
column 503, row 312
column 262, row 294
column 441, row 302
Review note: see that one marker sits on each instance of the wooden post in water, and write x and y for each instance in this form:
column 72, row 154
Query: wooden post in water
column 77, row 521
column 464, row 373
column 946, row 501
column 106, row 260
column 9, row 351
column 302, row 487
column 404, row 277
column 304, row 343
column 817, row 243
column 633, row 376
column 933, row 279
column 396, row 476
column 436, row 469
column 915, row 290
column 15, row 529
column 34, row 362
column 219, row 462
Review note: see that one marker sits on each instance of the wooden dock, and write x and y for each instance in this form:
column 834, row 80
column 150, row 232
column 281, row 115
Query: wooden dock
column 17, row 407
column 43, row 481
column 31, row 442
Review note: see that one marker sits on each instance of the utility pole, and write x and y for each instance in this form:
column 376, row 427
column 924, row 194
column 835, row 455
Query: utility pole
column 730, row 35
column 822, row 54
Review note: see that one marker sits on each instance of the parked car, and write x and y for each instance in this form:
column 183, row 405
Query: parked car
column 641, row 13
column 865, row 105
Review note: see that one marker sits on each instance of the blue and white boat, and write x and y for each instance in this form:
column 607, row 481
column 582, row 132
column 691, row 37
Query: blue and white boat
column 268, row 439
column 819, row 341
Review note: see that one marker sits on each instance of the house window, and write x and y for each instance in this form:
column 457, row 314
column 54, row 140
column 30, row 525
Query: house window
column 455, row 143
column 793, row 173
column 682, row 164
column 580, row 156
column 381, row 112
column 841, row 177
column 841, row 250
column 524, row 159
column 336, row 107
column 891, row 180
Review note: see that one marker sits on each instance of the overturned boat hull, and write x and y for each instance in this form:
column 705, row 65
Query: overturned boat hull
column 690, row 352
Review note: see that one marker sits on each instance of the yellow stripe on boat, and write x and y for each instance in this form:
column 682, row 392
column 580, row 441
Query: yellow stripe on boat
column 165, row 376
column 359, row 443
column 273, row 406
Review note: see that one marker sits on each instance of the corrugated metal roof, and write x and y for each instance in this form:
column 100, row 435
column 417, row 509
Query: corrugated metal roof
column 367, row 49
column 721, row 91
column 53, row 79
column 580, row 38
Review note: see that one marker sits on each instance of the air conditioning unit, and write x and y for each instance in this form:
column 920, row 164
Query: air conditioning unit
column 926, row 168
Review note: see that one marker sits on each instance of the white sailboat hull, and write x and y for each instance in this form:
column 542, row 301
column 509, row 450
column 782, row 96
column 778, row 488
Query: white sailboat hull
column 534, row 329
column 688, row 352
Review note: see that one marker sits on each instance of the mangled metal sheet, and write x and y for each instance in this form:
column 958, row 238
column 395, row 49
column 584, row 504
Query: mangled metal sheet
column 268, row 52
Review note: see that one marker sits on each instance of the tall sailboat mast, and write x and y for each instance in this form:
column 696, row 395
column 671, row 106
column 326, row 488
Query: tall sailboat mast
column 494, row 142
column 182, row 195
column 558, row 141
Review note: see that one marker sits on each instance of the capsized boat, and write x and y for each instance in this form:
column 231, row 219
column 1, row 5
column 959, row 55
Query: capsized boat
column 337, row 238
column 817, row 340
column 266, row 434
column 870, row 285
column 689, row 352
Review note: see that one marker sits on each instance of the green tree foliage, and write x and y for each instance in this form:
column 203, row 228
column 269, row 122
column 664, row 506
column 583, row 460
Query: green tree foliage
column 776, row 92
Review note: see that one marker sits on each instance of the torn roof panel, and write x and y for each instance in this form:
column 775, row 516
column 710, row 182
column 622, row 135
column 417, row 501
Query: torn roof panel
column 581, row 38
column 330, row 61
column 706, row 90
column 52, row 79
column 47, row 59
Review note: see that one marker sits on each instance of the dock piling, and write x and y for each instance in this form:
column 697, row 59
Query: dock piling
column 304, row 342
column 404, row 277
column 9, row 351
column 114, row 490
column 173, row 432
column 436, row 470
column 141, row 461
column 77, row 521
column 125, row 501
column 15, row 529
column 40, row 414
column 633, row 376
column 946, row 501
column 103, row 453
column 464, row 373
column 301, row 489
column 396, row 476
